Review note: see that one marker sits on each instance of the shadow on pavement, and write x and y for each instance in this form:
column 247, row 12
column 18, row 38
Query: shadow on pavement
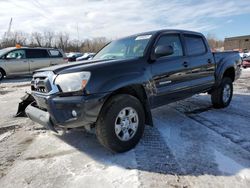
column 153, row 153
column 16, row 79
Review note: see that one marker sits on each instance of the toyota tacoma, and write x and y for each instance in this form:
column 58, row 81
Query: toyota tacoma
column 115, row 92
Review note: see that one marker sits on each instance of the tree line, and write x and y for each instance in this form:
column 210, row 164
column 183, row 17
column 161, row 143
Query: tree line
column 63, row 41
column 214, row 43
column 52, row 40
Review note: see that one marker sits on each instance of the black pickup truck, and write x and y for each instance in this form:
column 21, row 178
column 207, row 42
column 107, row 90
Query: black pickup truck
column 114, row 93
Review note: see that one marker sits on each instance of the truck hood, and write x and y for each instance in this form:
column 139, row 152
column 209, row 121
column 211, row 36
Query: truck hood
column 82, row 65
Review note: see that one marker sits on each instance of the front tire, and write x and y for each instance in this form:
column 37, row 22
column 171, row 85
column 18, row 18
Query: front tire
column 222, row 96
column 1, row 74
column 121, row 123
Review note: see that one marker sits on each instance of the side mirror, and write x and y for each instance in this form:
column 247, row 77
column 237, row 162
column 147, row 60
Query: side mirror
column 163, row 50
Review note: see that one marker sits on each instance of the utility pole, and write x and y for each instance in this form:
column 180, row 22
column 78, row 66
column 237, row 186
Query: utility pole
column 77, row 30
column 9, row 29
column 7, row 35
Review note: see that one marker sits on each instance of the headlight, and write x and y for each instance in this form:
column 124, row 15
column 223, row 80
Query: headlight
column 72, row 81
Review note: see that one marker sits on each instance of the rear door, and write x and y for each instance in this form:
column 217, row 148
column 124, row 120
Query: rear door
column 56, row 57
column 170, row 73
column 38, row 58
column 201, row 61
column 16, row 62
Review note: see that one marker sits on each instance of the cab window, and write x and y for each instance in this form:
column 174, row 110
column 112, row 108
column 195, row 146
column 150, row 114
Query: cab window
column 16, row 54
column 195, row 45
column 174, row 41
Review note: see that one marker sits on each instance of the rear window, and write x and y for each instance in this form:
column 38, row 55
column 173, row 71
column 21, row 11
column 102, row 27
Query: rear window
column 55, row 53
column 36, row 53
column 195, row 45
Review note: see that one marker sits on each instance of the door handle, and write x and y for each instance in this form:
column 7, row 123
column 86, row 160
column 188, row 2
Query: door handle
column 185, row 64
column 209, row 61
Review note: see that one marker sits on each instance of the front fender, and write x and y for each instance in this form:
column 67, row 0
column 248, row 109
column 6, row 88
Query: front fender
column 124, row 80
column 109, row 80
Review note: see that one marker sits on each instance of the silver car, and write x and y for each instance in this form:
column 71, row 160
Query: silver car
column 22, row 61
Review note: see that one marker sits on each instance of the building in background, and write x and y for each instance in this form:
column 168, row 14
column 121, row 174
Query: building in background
column 241, row 43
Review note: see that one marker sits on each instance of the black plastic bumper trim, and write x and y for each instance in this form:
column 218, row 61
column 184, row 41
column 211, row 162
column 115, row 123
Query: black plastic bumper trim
column 40, row 116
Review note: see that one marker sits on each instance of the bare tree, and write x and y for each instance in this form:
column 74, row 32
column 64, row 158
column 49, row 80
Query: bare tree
column 13, row 38
column 49, row 38
column 20, row 38
column 37, row 39
column 52, row 39
column 213, row 42
column 94, row 45
column 63, row 40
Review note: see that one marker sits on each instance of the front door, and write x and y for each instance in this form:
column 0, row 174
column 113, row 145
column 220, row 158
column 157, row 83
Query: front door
column 16, row 62
column 170, row 73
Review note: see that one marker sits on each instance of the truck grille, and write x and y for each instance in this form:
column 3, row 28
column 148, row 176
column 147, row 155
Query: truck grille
column 41, row 84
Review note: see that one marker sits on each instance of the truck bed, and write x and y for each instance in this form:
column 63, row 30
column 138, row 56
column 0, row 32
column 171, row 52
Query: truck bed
column 220, row 56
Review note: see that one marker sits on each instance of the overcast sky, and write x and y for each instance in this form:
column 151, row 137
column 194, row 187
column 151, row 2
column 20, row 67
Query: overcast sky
column 116, row 18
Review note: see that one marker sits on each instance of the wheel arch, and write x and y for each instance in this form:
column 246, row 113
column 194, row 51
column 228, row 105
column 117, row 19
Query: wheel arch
column 229, row 72
column 139, row 92
column 4, row 72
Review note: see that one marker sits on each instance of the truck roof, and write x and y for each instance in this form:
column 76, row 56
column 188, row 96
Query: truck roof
column 167, row 30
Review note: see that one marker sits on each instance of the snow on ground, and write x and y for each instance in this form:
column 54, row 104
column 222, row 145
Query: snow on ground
column 191, row 145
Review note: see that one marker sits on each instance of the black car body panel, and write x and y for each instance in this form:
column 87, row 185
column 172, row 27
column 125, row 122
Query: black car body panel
column 161, row 81
column 225, row 61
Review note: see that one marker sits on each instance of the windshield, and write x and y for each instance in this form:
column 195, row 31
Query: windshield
column 129, row 47
column 4, row 51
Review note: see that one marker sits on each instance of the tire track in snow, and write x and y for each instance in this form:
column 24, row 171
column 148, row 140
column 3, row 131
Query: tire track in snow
column 233, row 137
column 156, row 164
column 192, row 111
column 195, row 147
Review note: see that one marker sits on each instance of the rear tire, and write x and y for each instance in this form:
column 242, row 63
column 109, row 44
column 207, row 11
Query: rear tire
column 2, row 74
column 121, row 123
column 222, row 96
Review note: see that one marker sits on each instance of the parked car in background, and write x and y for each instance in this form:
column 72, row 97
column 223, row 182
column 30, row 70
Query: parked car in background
column 72, row 56
column 85, row 56
column 244, row 54
column 246, row 62
column 24, row 60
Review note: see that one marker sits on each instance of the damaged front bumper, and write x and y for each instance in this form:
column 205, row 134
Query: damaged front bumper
column 40, row 116
column 26, row 100
column 65, row 112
